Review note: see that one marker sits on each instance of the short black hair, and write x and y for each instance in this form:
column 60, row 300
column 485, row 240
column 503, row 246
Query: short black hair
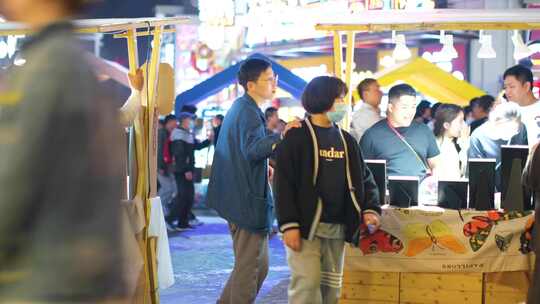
column 400, row 90
column 522, row 73
column 169, row 118
column 364, row 85
column 434, row 108
column 251, row 70
column 220, row 117
column 467, row 110
column 485, row 102
column 321, row 92
column 269, row 112
column 422, row 107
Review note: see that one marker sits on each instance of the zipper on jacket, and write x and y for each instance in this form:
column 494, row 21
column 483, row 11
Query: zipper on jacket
column 349, row 179
column 318, row 213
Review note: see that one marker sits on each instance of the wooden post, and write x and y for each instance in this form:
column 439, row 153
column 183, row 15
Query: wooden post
column 140, row 179
column 348, row 75
column 151, row 127
column 338, row 56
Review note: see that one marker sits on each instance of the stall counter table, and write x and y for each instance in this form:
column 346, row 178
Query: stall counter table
column 434, row 255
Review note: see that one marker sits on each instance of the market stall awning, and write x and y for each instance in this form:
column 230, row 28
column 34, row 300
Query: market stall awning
column 287, row 80
column 431, row 81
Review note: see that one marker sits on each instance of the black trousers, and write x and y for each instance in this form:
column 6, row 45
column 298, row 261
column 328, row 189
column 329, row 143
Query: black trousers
column 183, row 203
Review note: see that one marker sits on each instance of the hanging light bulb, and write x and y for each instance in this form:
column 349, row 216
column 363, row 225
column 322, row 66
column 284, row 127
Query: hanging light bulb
column 520, row 49
column 401, row 52
column 486, row 48
column 388, row 61
column 448, row 46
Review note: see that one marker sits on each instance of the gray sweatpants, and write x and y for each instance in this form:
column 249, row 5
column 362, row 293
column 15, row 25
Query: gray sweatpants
column 250, row 267
column 316, row 271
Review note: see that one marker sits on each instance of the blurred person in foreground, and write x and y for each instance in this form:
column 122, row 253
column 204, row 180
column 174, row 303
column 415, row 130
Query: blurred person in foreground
column 60, row 169
column 531, row 180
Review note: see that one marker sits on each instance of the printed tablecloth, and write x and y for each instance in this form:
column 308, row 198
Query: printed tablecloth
column 432, row 239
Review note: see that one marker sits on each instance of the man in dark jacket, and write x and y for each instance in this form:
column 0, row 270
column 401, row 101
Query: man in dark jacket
column 183, row 146
column 167, row 189
column 239, row 188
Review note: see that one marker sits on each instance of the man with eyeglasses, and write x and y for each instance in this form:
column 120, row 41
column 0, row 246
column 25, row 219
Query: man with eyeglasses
column 239, row 188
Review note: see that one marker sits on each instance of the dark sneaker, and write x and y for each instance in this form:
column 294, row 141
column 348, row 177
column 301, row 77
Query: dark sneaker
column 195, row 222
column 170, row 227
column 184, row 228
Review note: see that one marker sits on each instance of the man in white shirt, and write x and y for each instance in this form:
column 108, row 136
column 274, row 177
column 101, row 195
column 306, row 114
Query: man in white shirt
column 518, row 84
column 368, row 113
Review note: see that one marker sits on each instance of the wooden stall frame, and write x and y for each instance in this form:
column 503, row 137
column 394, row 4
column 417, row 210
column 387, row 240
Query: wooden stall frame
column 430, row 20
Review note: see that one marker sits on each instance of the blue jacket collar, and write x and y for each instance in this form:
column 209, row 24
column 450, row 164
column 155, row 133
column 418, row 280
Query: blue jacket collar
column 253, row 104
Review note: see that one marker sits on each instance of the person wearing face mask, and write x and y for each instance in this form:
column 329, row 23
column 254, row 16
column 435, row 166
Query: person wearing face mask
column 500, row 129
column 183, row 146
column 324, row 191
column 408, row 147
column 452, row 139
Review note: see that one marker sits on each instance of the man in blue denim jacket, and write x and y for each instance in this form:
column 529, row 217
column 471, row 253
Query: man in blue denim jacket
column 239, row 188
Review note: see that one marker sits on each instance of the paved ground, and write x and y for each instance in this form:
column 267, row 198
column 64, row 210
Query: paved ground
column 203, row 258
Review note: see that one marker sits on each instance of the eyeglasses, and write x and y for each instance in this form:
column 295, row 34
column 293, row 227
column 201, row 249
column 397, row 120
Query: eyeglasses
column 271, row 79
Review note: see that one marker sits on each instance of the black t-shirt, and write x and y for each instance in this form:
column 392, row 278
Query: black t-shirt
column 380, row 142
column 331, row 181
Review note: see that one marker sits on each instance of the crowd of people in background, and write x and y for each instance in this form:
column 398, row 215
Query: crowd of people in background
column 412, row 137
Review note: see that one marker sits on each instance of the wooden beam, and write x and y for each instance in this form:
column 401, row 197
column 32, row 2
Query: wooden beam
column 145, row 33
column 92, row 26
column 349, row 62
column 338, row 55
column 427, row 27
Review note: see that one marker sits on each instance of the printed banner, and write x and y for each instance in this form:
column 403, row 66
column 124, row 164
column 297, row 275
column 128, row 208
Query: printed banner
column 438, row 240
